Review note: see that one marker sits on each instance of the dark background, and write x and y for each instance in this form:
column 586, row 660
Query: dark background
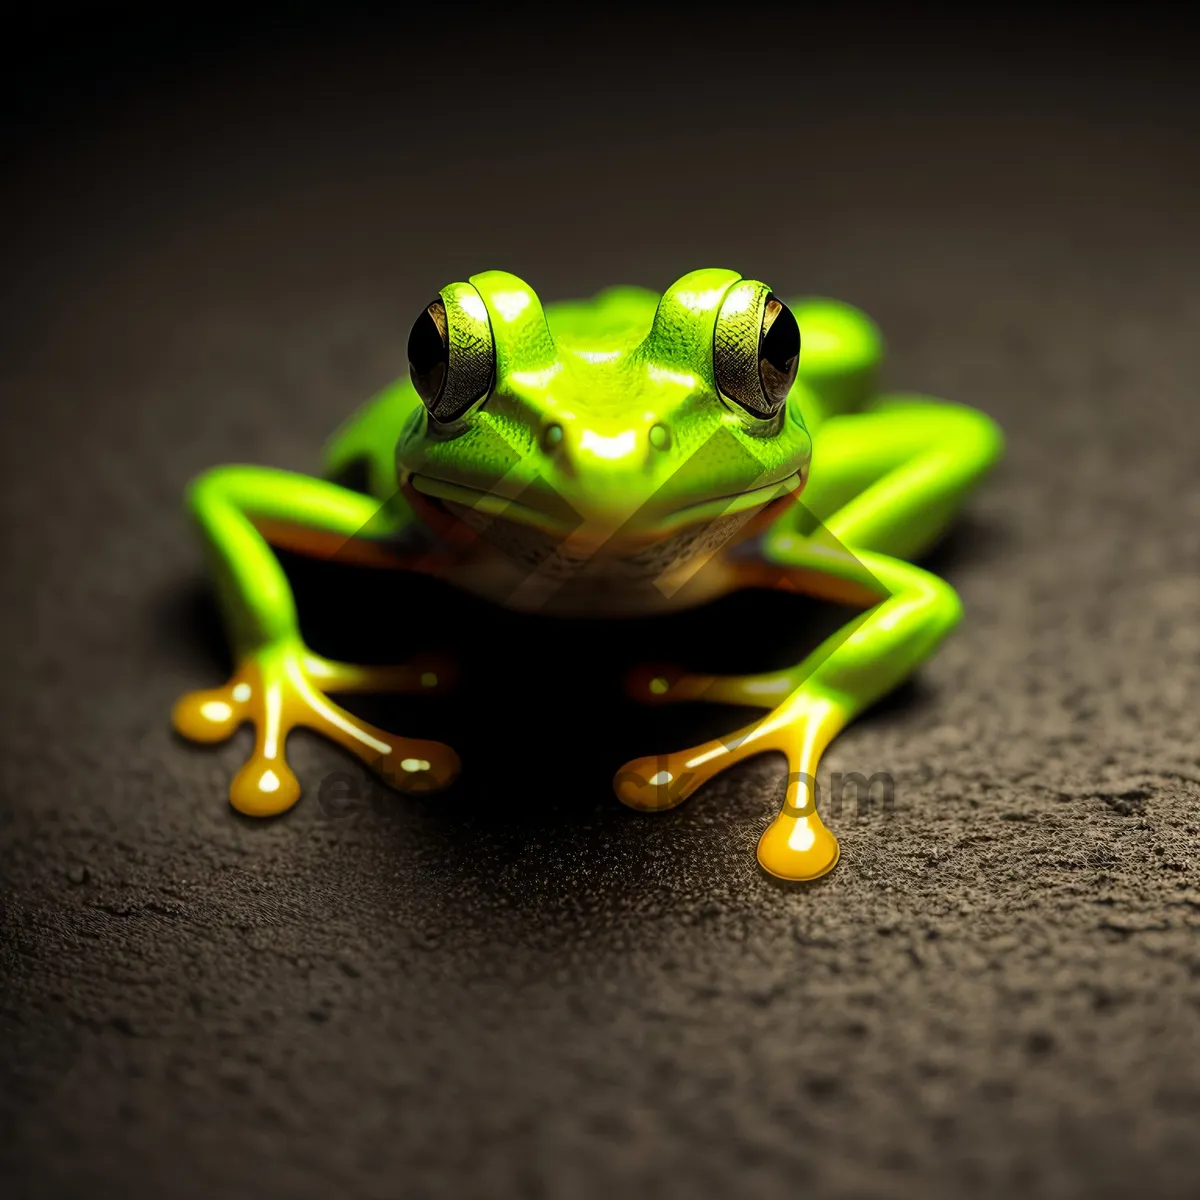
column 218, row 225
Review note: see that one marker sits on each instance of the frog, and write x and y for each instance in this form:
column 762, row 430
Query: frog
column 629, row 454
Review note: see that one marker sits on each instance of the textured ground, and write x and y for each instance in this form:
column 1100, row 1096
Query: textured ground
column 997, row 990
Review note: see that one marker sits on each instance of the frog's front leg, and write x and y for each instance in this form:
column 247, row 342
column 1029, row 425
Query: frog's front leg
column 893, row 478
column 278, row 684
column 810, row 702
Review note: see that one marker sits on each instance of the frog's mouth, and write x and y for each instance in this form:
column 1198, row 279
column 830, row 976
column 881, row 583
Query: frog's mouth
column 437, row 499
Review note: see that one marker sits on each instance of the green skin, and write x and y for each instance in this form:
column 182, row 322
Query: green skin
column 647, row 450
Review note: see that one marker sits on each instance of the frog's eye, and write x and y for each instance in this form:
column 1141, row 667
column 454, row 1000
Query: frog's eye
column 429, row 353
column 451, row 356
column 756, row 349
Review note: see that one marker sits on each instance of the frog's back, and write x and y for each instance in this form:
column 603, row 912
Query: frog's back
column 617, row 316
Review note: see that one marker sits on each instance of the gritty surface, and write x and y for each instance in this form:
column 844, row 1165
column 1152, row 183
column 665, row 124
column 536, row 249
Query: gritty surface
column 997, row 991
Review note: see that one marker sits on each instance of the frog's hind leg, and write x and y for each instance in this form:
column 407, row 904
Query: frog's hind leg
column 278, row 684
column 893, row 477
column 909, row 464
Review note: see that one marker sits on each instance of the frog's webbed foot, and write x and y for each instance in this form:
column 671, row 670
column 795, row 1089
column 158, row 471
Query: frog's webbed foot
column 283, row 686
column 796, row 845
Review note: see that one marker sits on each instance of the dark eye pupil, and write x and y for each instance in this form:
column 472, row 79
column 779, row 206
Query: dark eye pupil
column 778, row 352
column 781, row 341
column 428, row 352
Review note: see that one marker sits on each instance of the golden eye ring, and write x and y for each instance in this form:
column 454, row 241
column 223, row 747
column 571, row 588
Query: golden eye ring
column 756, row 349
column 451, row 353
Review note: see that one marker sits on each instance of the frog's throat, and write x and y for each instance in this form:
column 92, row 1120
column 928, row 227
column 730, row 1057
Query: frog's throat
column 625, row 532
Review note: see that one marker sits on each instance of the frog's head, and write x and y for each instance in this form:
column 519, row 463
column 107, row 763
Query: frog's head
column 653, row 427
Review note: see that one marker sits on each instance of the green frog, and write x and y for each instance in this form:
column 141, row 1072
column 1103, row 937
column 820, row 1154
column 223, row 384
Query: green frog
column 630, row 454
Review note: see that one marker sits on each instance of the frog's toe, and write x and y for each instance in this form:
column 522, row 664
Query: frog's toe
column 653, row 784
column 798, row 847
column 416, row 765
column 661, row 684
column 211, row 715
column 264, row 787
column 427, row 674
column 670, row 685
column 650, row 683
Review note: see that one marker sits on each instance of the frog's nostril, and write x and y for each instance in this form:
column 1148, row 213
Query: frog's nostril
column 552, row 436
column 660, row 436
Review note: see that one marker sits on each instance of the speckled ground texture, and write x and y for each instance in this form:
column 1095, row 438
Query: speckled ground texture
column 522, row 988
